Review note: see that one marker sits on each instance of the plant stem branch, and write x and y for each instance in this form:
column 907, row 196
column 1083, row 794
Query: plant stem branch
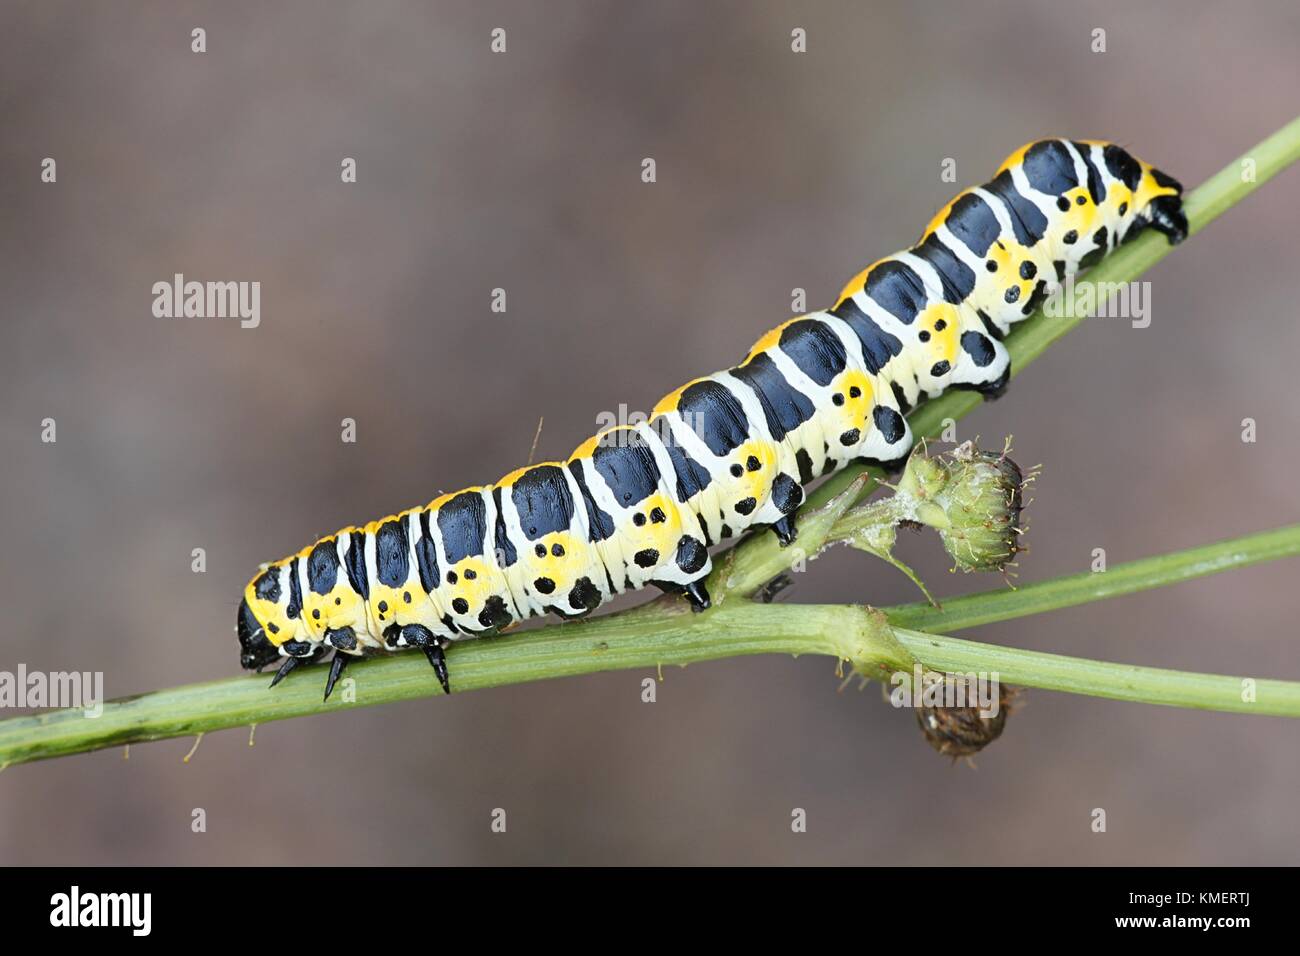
column 665, row 633
column 1147, row 685
column 1004, row 604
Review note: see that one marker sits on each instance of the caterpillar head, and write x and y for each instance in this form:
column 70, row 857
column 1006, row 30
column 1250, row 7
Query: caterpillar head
column 255, row 650
column 269, row 616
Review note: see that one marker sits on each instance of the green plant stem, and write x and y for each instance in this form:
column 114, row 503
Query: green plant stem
column 1147, row 685
column 1004, row 604
column 662, row 632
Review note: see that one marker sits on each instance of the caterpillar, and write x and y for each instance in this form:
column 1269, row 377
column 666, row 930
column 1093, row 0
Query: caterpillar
column 642, row 504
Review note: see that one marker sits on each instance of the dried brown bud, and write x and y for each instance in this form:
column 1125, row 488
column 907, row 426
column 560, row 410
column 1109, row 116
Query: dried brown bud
column 963, row 731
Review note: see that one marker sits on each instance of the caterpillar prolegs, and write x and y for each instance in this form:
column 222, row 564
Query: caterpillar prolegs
column 638, row 505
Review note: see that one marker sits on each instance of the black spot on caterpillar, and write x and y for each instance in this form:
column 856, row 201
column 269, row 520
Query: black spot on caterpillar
column 635, row 506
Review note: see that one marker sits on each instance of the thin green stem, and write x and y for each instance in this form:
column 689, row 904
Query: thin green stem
column 1004, row 604
column 672, row 636
column 1147, row 685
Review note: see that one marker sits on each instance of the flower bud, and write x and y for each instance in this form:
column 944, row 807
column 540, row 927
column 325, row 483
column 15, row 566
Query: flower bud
column 964, row 731
column 974, row 499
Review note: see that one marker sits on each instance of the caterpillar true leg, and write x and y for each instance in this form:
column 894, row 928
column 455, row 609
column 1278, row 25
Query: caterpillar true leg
column 642, row 504
column 698, row 596
column 289, row 664
column 436, row 653
column 417, row 635
column 786, row 532
column 695, row 593
column 693, row 590
column 337, row 663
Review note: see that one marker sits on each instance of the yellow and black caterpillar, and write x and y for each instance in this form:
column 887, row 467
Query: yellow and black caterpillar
column 642, row 505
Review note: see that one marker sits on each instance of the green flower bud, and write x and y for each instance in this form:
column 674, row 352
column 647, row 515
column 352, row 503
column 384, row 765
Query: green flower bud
column 924, row 477
column 974, row 499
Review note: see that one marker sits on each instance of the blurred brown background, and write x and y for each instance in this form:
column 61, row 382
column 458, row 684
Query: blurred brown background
column 522, row 170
